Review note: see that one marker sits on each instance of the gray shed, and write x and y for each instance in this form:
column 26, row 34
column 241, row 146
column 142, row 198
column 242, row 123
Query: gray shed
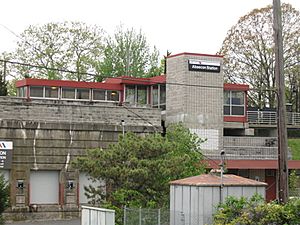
column 193, row 200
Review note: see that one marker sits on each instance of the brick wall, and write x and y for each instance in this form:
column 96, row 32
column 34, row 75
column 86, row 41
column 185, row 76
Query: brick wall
column 196, row 98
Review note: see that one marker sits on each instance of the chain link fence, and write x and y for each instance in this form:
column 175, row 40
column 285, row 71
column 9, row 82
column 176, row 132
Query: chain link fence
column 139, row 216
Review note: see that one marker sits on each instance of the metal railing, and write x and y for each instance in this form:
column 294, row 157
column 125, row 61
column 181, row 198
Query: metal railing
column 270, row 118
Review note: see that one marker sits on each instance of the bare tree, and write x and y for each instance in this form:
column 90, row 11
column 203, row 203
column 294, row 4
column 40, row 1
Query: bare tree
column 248, row 51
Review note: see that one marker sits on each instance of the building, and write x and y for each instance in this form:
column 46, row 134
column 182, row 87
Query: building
column 50, row 122
column 195, row 199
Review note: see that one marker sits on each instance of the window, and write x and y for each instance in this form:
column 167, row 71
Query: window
column 112, row 96
column 163, row 97
column 136, row 94
column 234, row 103
column 155, row 96
column 68, row 93
column 82, row 93
column 99, row 95
column 159, row 96
column 141, row 95
column 21, row 92
column 105, row 95
column 37, row 91
column 130, row 94
column 51, row 92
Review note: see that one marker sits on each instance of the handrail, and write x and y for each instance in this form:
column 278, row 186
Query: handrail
column 270, row 117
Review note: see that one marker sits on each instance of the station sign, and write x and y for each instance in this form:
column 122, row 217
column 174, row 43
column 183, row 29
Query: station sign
column 204, row 66
column 6, row 148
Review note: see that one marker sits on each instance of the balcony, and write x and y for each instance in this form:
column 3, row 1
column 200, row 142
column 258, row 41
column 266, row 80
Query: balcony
column 253, row 148
column 269, row 119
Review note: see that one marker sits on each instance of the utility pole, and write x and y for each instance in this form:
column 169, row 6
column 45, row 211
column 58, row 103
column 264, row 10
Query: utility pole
column 281, row 108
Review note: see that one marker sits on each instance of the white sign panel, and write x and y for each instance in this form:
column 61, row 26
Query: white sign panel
column 6, row 145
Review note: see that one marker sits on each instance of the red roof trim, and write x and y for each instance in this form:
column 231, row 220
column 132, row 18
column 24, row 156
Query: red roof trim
column 67, row 83
column 194, row 54
column 251, row 164
column 236, row 87
column 241, row 119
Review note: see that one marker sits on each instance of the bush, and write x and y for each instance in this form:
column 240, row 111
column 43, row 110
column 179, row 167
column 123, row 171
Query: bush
column 255, row 211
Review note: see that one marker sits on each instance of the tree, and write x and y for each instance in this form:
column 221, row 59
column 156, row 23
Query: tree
column 4, row 197
column 128, row 53
column 249, row 54
column 137, row 170
column 3, row 86
column 72, row 46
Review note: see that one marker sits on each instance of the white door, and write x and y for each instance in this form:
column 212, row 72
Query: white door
column 44, row 187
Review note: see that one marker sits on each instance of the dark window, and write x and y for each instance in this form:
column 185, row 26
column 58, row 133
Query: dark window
column 51, row 92
column 82, row 93
column 99, row 95
column 37, row 91
column 68, row 93
column 112, row 96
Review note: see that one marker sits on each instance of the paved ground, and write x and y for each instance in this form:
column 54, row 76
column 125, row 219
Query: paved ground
column 52, row 222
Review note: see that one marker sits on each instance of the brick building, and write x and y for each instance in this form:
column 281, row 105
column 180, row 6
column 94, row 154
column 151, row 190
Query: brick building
column 51, row 122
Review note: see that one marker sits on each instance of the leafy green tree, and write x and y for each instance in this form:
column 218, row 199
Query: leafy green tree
column 4, row 196
column 72, row 46
column 137, row 170
column 127, row 53
column 248, row 51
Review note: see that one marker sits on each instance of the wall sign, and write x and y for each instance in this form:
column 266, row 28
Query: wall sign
column 6, row 154
column 204, row 66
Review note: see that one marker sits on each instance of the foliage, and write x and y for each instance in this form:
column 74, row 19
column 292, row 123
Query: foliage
column 249, row 54
column 294, row 145
column 3, row 86
column 137, row 170
column 4, row 196
column 64, row 46
column 293, row 183
column 127, row 53
column 255, row 211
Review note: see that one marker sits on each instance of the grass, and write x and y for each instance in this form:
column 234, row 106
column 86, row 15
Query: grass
column 294, row 145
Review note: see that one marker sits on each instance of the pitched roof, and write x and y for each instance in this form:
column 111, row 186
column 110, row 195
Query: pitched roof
column 214, row 180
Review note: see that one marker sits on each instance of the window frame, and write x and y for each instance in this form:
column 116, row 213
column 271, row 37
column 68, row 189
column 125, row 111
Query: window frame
column 231, row 105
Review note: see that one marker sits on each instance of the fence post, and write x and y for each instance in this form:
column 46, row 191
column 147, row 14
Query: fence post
column 158, row 219
column 124, row 216
column 140, row 216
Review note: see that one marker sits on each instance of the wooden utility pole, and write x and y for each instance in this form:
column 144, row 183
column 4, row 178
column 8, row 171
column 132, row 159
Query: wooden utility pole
column 281, row 108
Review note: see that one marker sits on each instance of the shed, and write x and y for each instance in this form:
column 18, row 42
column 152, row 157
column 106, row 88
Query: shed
column 193, row 200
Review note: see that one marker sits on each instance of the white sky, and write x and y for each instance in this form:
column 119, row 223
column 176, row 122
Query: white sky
column 198, row 26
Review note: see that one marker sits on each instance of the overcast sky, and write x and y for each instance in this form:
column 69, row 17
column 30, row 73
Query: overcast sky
column 197, row 26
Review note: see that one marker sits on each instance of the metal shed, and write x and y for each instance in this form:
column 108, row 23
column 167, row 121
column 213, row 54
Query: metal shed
column 193, row 200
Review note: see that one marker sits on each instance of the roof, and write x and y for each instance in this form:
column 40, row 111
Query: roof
column 252, row 164
column 236, row 87
column 195, row 54
column 214, row 180
column 67, row 83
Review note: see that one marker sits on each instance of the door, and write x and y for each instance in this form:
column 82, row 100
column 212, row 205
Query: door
column 271, row 188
